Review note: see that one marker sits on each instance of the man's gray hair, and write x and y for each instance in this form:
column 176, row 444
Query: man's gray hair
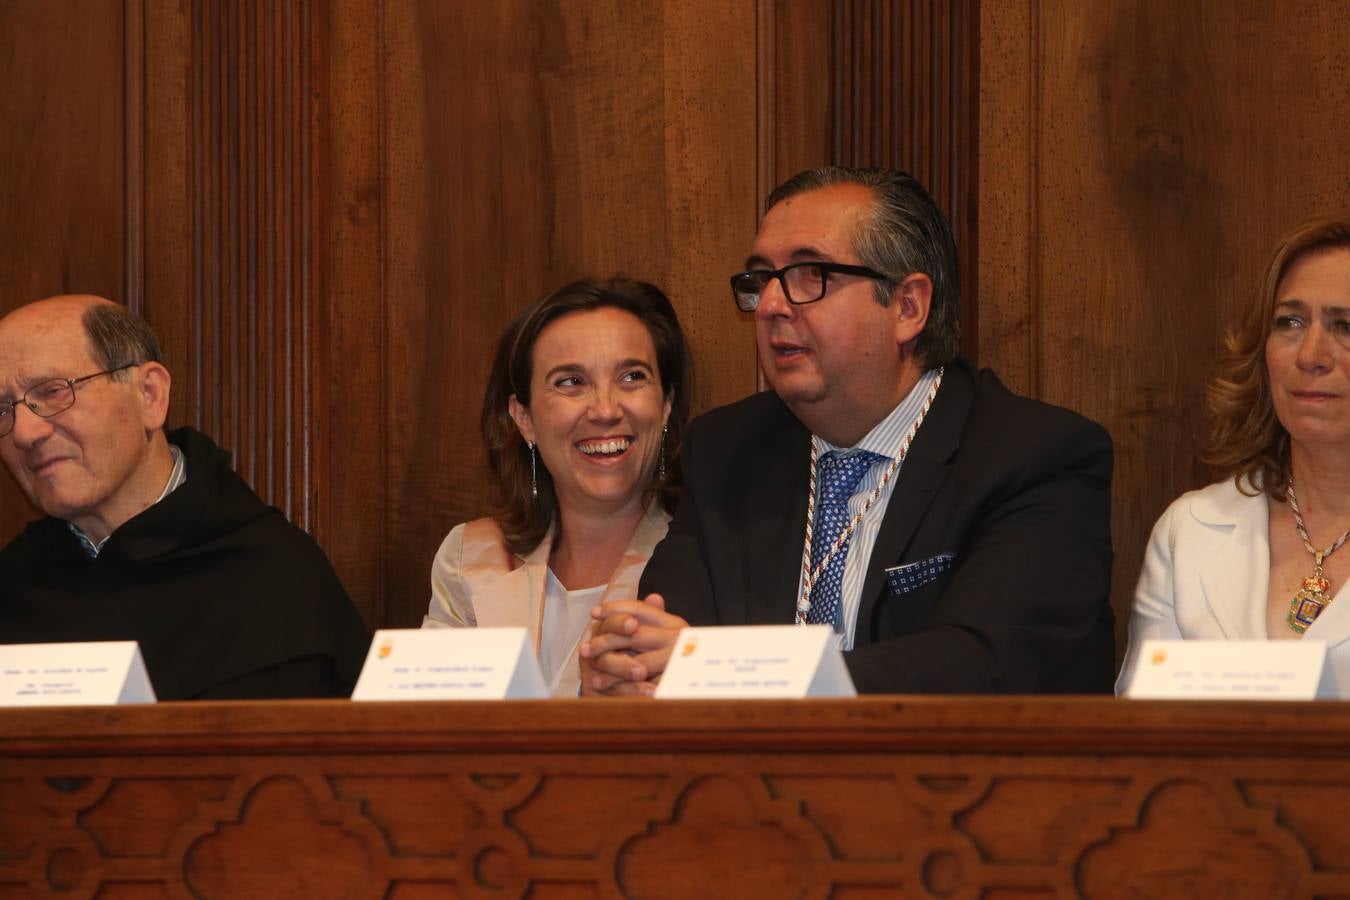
column 119, row 337
column 904, row 233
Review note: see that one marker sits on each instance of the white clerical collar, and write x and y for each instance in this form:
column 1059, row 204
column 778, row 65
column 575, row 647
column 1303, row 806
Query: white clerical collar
column 177, row 477
column 887, row 435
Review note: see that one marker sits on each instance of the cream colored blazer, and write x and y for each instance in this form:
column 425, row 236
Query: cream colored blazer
column 1206, row 575
column 476, row 581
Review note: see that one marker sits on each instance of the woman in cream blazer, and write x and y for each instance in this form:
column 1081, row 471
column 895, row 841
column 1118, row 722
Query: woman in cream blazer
column 582, row 418
column 477, row 581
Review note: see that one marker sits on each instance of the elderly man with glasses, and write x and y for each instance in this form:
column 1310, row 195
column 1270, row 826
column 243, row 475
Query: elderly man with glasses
column 147, row 535
column 955, row 536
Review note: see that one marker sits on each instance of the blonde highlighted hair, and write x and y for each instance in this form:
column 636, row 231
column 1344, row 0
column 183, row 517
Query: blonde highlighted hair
column 1247, row 442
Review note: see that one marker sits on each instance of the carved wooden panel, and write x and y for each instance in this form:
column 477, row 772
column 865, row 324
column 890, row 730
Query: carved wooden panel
column 874, row 797
column 1139, row 160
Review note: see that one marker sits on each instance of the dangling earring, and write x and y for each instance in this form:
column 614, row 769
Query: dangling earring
column 534, row 473
column 661, row 472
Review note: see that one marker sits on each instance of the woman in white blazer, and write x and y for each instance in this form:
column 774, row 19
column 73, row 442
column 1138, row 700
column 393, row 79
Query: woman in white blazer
column 584, row 408
column 1261, row 554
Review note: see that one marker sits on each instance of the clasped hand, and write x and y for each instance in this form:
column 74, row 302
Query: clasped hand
column 628, row 647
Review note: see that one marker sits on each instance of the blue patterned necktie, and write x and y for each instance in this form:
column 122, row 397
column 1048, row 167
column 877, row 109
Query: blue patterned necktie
column 839, row 477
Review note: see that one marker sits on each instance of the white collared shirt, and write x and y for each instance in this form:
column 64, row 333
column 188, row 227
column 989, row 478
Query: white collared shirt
column 177, row 476
column 884, row 440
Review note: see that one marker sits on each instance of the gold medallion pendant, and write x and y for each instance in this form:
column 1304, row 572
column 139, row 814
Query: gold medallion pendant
column 1308, row 603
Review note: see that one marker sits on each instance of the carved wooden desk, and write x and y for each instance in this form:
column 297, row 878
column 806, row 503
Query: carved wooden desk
column 875, row 797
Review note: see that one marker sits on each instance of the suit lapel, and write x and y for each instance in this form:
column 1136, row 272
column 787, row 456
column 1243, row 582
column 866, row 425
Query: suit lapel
column 921, row 475
column 516, row 598
column 1239, row 568
column 771, row 560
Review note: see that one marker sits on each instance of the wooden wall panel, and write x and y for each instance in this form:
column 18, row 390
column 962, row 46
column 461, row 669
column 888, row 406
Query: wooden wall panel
column 1139, row 162
column 161, row 184
column 255, row 330
column 169, row 167
column 62, row 224
column 795, row 127
column 903, row 94
column 878, row 83
column 330, row 210
column 349, row 125
column 712, row 189
column 527, row 145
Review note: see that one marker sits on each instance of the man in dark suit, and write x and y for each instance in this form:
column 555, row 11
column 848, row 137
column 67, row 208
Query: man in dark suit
column 956, row 536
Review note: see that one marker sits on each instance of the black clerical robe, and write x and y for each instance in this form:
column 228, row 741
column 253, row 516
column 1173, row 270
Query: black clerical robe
column 227, row 598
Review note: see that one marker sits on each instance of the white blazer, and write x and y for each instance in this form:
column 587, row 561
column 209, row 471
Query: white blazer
column 1206, row 576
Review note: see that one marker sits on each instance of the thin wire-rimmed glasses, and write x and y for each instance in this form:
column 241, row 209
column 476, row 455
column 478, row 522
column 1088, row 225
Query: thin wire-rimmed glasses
column 803, row 282
column 48, row 398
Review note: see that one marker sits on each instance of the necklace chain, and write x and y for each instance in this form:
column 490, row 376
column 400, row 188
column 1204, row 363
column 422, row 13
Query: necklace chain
column 1309, row 602
column 1303, row 529
column 809, row 576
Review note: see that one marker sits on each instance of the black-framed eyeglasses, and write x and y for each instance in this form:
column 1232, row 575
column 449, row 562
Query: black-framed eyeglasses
column 47, row 398
column 803, row 282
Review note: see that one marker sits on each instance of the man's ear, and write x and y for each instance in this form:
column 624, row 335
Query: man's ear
column 520, row 414
column 153, row 383
column 912, row 297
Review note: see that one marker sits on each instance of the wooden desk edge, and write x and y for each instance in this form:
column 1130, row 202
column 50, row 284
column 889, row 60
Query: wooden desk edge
column 874, row 724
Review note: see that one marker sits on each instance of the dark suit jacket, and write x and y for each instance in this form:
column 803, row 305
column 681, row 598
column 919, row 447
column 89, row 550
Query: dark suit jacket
column 1017, row 490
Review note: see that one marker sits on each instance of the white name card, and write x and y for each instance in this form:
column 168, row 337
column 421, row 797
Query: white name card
column 756, row 661
column 91, row 673
column 1229, row 670
column 450, row 664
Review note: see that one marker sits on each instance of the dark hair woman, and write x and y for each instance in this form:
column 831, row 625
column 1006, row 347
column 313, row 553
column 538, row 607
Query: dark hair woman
column 582, row 417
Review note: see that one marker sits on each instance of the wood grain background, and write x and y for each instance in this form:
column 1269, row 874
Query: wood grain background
column 328, row 210
column 1139, row 160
